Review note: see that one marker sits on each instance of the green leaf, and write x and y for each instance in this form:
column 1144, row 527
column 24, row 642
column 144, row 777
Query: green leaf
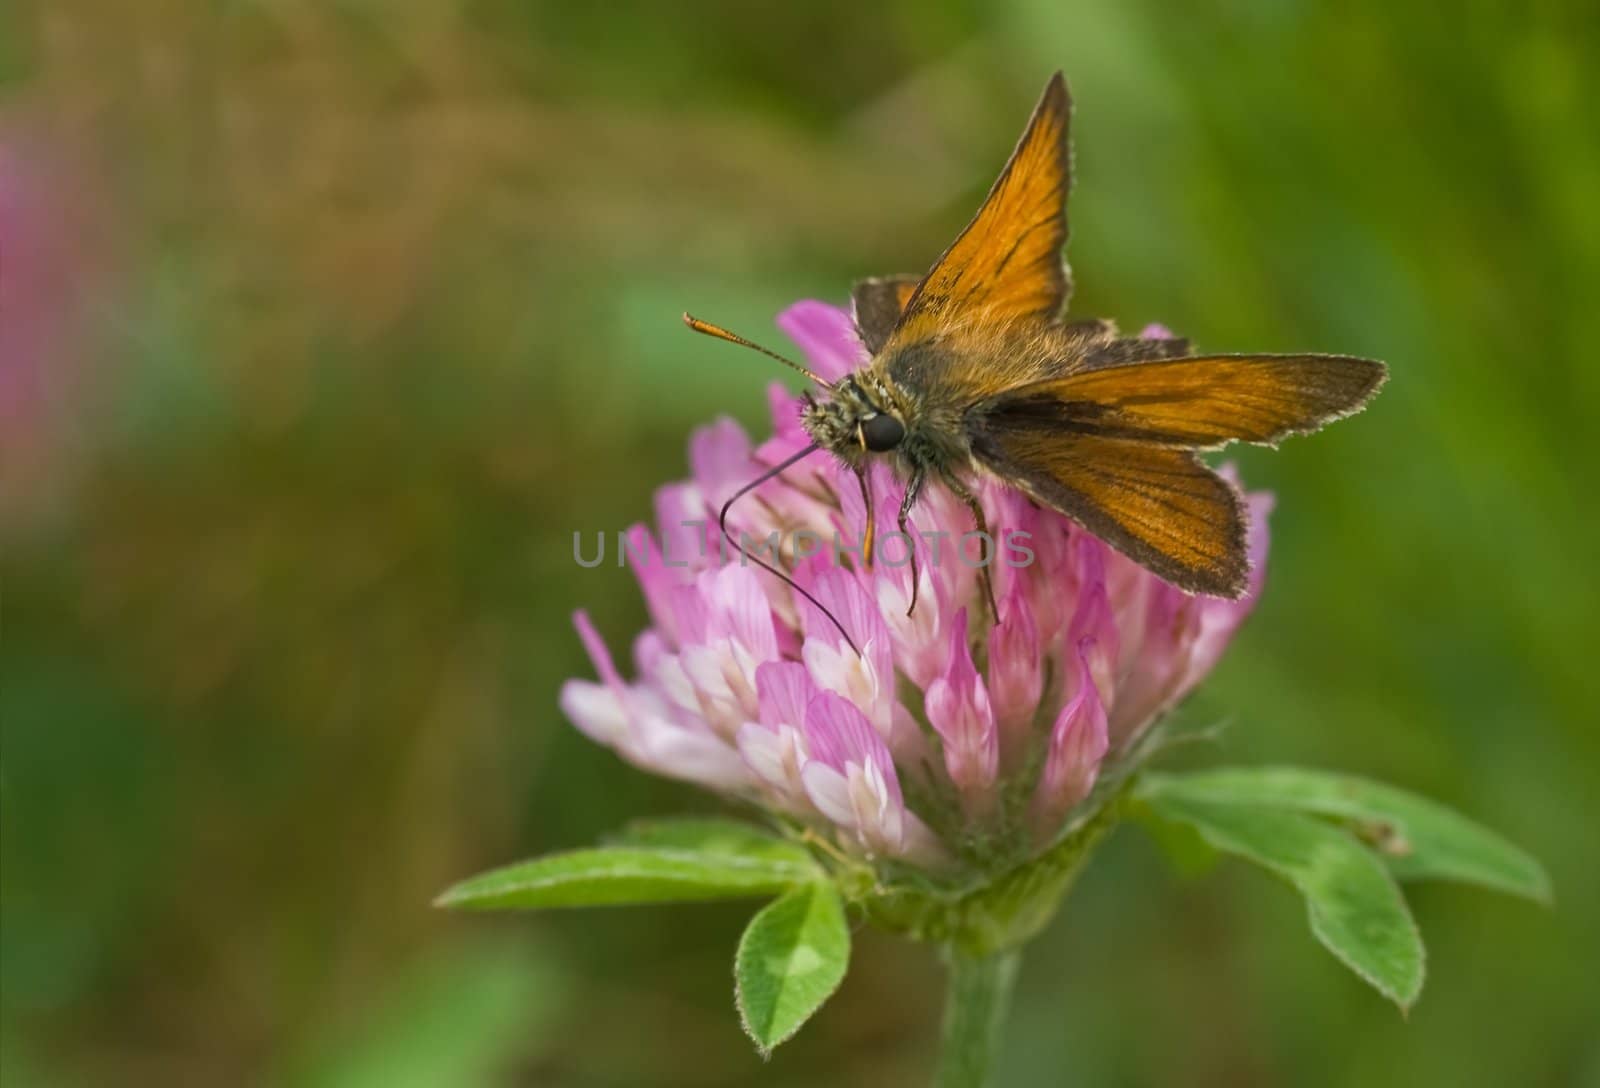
column 1418, row 838
column 720, row 838
column 629, row 874
column 791, row 958
column 1356, row 908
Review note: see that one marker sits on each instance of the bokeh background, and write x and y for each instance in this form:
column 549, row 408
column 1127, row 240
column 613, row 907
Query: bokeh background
column 324, row 325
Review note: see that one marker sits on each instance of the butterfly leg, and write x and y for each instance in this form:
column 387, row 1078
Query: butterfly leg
column 913, row 489
column 868, row 533
column 962, row 492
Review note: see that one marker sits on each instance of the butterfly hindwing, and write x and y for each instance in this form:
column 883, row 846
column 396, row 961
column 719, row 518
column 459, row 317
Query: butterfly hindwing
column 878, row 305
column 1158, row 505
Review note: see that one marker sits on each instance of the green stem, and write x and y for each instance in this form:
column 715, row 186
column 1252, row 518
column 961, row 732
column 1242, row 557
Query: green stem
column 974, row 1013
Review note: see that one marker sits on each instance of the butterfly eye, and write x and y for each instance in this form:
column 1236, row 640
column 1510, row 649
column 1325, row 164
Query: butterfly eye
column 882, row 432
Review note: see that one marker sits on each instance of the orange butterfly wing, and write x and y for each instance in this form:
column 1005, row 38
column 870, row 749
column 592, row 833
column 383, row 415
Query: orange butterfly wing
column 1112, row 448
column 1198, row 402
column 1006, row 266
column 1157, row 505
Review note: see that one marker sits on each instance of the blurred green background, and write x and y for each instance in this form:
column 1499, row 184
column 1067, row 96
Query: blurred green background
column 341, row 317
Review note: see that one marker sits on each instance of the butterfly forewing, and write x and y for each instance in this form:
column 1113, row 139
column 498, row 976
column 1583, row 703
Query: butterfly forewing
column 1196, row 402
column 1114, row 351
column 1006, row 266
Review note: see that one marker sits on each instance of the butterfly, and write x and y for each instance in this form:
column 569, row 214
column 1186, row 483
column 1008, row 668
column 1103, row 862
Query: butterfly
column 974, row 369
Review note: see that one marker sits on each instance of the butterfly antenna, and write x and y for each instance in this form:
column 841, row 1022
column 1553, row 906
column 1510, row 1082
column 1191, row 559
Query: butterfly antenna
column 722, row 523
column 734, row 338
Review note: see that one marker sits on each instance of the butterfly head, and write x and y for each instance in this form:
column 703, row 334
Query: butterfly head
column 859, row 418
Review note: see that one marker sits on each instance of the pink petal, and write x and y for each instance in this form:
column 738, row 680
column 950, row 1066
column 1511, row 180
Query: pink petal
column 1220, row 619
column 920, row 640
column 1157, row 660
column 723, row 697
column 596, row 710
column 648, row 650
column 719, row 458
column 828, row 789
column 776, row 757
column 671, row 680
column 839, row 734
column 827, row 336
column 762, row 749
column 687, row 527
column 647, row 733
column 785, row 408
column 784, row 689
column 840, row 593
column 659, row 582
column 1093, row 623
column 668, row 747
column 1016, row 674
column 867, row 678
column 739, row 611
column 958, row 709
column 691, row 610
column 599, row 655
column 1078, row 742
column 852, row 781
column 788, row 436
column 1044, row 572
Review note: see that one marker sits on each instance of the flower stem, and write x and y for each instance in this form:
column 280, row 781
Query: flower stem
column 975, row 1009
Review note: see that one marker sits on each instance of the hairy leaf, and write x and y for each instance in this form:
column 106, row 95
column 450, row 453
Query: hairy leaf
column 628, row 874
column 1418, row 838
column 1356, row 908
column 790, row 960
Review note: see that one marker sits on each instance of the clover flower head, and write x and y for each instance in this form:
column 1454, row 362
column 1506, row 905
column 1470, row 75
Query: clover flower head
column 936, row 735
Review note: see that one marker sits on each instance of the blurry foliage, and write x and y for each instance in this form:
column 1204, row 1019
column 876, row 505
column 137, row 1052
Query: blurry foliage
column 385, row 307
